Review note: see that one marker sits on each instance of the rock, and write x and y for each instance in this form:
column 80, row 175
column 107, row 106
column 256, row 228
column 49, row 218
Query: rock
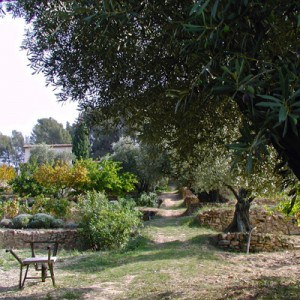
column 234, row 243
column 223, row 243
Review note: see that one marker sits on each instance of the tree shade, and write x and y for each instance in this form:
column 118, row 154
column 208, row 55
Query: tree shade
column 176, row 69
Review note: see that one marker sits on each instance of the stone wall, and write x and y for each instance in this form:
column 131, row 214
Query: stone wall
column 219, row 219
column 272, row 232
column 18, row 239
column 190, row 200
column 258, row 242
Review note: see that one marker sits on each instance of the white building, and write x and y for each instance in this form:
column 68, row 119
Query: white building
column 58, row 148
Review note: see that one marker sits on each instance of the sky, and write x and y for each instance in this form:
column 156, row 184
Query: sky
column 24, row 97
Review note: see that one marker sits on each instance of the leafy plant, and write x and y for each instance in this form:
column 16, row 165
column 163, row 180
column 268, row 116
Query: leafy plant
column 57, row 223
column 41, row 221
column 25, row 184
column 10, row 208
column 58, row 207
column 107, row 176
column 61, row 177
column 7, row 173
column 21, row 221
column 290, row 207
column 147, row 199
column 107, row 225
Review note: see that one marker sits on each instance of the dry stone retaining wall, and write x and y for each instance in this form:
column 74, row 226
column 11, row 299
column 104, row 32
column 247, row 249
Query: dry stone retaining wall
column 272, row 232
column 259, row 242
column 190, row 200
column 219, row 219
column 18, row 239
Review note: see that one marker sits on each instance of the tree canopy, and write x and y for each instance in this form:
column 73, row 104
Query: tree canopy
column 149, row 163
column 177, row 70
column 49, row 131
column 11, row 148
column 80, row 140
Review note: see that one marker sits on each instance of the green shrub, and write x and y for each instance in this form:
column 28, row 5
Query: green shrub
column 56, row 207
column 57, row 223
column 6, row 223
column 9, row 208
column 25, row 184
column 1, row 209
column 71, row 225
column 107, row 176
column 107, row 225
column 147, row 199
column 285, row 206
column 41, row 221
column 21, row 221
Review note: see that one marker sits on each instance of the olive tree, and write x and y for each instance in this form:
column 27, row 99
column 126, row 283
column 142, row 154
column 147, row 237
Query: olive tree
column 164, row 68
column 149, row 163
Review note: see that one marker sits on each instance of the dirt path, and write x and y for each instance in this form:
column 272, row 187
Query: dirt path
column 171, row 205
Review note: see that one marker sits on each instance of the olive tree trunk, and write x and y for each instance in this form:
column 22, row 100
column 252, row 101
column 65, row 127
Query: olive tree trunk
column 241, row 219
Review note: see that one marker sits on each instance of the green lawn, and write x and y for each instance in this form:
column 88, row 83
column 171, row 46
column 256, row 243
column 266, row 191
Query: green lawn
column 172, row 259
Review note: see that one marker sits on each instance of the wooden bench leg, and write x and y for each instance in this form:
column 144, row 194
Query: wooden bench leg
column 52, row 273
column 44, row 272
column 22, row 282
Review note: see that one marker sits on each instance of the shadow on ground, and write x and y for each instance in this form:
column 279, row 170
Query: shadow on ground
column 264, row 288
column 94, row 262
column 71, row 293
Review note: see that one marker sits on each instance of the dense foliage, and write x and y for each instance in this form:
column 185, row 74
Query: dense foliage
column 25, row 184
column 49, row 131
column 7, row 173
column 184, row 56
column 11, row 148
column 150, row 163
column 57, row 207
column 107, row 225
column 44, row 154
column 59, row 179
column 80, row 141
column 107, row 176
column 147, row 200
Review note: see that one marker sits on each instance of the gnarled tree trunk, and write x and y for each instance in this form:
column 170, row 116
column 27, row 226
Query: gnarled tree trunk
column 241, row 220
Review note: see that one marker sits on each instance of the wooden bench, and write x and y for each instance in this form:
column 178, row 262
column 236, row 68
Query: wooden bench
column 40, row 263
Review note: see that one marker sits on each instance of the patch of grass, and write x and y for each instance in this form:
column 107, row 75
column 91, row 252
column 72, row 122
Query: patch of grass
column 138, row 243
column 7, row 261
column 145, row 257
column 72, row 295
column 171, row 259
column 274, row 288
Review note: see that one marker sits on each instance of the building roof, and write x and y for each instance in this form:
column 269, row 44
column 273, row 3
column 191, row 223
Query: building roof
column 52, row 145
